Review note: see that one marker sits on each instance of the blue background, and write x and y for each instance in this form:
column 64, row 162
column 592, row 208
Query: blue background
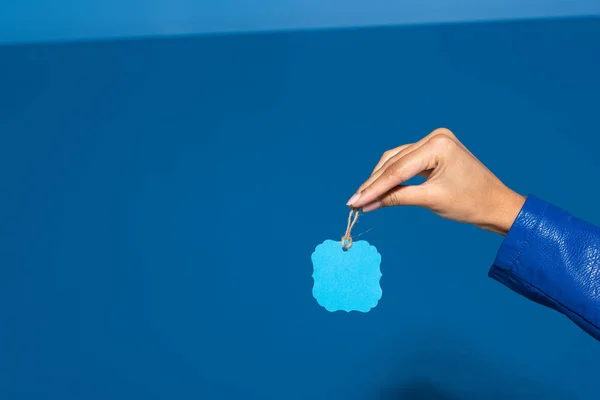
column 161, row 199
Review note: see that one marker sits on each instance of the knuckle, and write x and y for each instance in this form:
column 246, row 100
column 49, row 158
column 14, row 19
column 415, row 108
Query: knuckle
column 393, row 171
column 444, row 131
column 389, row 200
column 386, row 154
column 442, row 142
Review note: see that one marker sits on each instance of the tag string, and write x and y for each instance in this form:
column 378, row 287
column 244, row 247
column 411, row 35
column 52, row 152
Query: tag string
column 347, row 239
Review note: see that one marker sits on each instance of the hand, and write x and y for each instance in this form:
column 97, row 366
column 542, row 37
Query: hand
column 457, row 187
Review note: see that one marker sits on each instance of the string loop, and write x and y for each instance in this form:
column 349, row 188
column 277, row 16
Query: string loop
column 347, row 239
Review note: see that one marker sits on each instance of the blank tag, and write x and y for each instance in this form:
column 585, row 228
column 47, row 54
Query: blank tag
column 346, row 280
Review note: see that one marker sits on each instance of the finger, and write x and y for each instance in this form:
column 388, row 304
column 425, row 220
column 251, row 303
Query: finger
column 407, row 195
column 403, row 152
column 403, row 195
column 388, row 155
column 407, row 149
column 404, row 149
column 419, row 160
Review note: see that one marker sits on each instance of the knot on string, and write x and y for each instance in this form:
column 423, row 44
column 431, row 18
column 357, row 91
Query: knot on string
column 347, row 239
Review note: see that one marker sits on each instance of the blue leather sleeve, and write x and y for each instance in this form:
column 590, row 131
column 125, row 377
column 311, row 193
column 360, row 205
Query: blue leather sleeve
column 553, row 258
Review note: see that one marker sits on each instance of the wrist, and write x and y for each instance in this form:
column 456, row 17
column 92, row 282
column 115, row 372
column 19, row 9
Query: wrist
column 505, row 212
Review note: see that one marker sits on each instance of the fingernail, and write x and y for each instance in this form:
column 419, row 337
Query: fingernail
column 372, row 206
column 353, row 199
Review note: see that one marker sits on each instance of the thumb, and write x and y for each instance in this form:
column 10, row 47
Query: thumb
column 403, row 195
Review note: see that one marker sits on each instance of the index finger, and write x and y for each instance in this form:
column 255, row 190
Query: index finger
column 400, row 171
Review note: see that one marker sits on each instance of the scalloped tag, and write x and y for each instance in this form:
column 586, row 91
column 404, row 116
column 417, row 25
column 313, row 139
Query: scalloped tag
column 346, row 280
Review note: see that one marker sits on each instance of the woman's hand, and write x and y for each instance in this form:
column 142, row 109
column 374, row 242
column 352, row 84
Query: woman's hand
column 458, row 186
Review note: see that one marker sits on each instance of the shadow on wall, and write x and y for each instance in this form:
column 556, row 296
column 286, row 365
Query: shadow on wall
column 513, row 389
column 448, row 369
column 418, row 390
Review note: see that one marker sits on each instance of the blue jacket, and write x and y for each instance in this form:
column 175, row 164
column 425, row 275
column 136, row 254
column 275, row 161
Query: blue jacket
column 553, row 258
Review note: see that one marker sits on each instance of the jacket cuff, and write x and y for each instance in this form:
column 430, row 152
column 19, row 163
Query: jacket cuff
column 518, row 236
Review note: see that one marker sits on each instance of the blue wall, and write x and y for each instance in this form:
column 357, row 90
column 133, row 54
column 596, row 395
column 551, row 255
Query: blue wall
column 161, row 199
column 47, row 21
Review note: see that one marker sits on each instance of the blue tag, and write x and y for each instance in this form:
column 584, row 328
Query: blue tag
column 346, row 280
